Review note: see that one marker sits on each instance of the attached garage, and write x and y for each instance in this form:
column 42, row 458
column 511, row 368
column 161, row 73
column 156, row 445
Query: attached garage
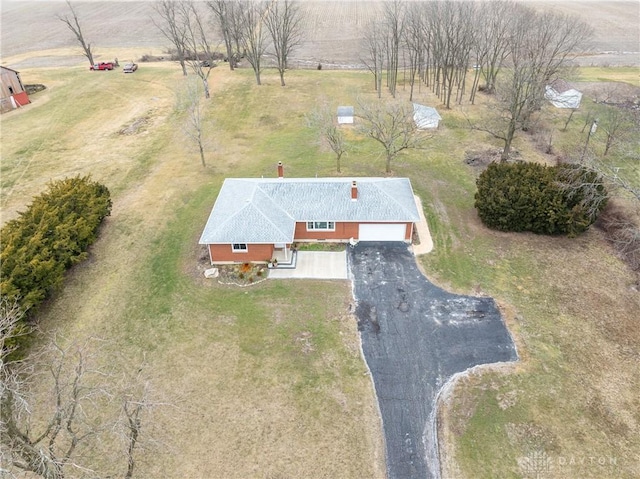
column 253, row 218
column 382, row 232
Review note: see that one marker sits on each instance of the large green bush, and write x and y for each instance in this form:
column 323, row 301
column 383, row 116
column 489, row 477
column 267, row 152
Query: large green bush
column 51, row 235
column 563, row 199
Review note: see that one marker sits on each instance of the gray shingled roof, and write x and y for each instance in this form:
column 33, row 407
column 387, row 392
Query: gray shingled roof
column 266, row 210
column 345, row 111
column 423, row 112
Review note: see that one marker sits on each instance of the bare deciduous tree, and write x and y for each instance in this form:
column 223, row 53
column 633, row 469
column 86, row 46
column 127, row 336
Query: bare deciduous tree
column 492, row 29
column 376, row 46
column 54, row 406
column 253, row 37
column 414, row 43
column 138, row 402
column 618, row 125
column 65, row 424
column 74, row 25
column 224, row 12
column 190, row 101
column 330, row 133
column 540, row 47
column 394, row 20
column 197, row 43
column 390, row 124
column 172, row 28
column 284, row 19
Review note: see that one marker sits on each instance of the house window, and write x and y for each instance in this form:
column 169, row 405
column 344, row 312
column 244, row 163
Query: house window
column 321, row 225
column 239, row 247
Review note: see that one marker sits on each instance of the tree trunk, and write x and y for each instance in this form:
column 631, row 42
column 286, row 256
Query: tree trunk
column 202, row 154
column 205, row 83
column 507, row 141
column 566, row 123
column 388, row 168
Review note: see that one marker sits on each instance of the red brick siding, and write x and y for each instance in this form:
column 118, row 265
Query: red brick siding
column 408, row 232
column 255, row 252
column 344, row 231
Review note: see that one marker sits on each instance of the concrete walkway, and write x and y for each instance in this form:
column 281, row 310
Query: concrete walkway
column 315, row 265
column 426, row 243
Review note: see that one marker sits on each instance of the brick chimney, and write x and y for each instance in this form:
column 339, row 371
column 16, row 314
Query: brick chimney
column 280, row 170
column 354, row 190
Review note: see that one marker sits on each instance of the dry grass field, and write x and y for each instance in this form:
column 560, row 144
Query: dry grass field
column 262, row 382
column 268, row 381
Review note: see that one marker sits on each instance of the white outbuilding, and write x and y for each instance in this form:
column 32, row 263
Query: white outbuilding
column 345, row 115
column 425, row 116
column 562, row 95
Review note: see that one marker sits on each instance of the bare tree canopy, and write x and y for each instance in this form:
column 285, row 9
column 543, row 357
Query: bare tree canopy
column 253, row 37
column 225, row 12
column 189, row 101
column 323, row 120
column 172, row 27
column 196, row 42
column 56, row 405
column 394, row 19
column 539, row 51
column 376, row 47
column 283, row 19
column 74, row 25
column 391, row 125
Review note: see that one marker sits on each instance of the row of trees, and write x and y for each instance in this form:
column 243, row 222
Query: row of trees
column 441, row 40
column 249, row 29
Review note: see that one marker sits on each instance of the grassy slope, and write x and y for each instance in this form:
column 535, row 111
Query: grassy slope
column 268, row 380
column 573, row 309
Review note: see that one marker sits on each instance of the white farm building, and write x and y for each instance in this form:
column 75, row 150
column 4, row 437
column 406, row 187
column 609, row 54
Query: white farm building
column 562, row 95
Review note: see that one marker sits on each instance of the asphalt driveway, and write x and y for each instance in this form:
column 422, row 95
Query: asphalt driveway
column 415, row 337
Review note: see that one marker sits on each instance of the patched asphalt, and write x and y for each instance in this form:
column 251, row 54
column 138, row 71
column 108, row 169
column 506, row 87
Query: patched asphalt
column 415, row 337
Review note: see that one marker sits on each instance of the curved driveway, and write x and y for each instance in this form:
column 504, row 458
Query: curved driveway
column 415, row 337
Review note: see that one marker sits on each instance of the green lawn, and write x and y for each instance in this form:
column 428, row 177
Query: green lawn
column 268, row 380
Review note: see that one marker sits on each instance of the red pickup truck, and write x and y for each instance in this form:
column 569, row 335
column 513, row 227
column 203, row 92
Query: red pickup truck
column 102, row 66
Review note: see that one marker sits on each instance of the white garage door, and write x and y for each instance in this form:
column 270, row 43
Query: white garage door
column 381, row 232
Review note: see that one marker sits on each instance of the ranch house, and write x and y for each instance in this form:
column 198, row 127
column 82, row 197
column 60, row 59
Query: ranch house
column 255, row 218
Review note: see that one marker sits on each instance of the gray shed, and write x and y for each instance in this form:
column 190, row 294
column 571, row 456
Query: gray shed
column 425, row 116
